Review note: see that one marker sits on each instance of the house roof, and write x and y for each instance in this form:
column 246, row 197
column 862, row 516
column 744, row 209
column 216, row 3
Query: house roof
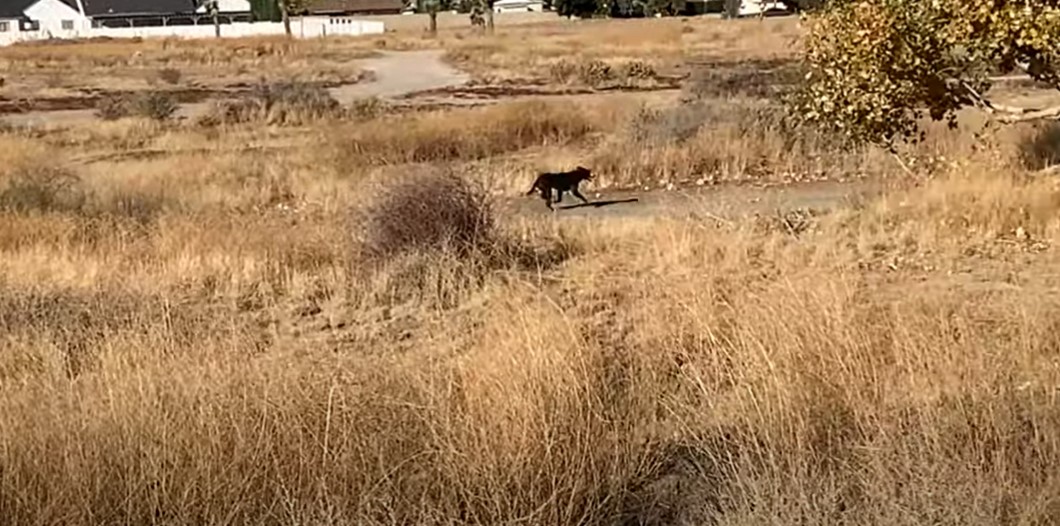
column 353, row 6
column 134, row 7
column 14, row 8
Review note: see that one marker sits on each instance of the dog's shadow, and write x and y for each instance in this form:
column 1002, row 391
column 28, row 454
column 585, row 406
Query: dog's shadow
column 599, row 204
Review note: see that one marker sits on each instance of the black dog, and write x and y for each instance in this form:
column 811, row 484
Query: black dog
column 561, row 182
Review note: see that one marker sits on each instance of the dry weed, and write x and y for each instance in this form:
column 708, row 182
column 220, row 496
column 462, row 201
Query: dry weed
column 463, row 134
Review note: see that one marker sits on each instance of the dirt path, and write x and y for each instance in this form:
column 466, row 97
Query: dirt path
column 723, row 202
column 397, row 74
column 401, row 73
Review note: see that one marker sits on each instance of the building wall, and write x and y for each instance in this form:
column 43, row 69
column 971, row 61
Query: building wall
column 304, row 27
column 517, row 6
column 52, row 13
column 230, row 6
column 13, row 28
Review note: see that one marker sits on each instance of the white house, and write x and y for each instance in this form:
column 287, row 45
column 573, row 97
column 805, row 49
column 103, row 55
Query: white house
column 10, row 24
column 57, row 17
column 229, row 7
column 40, row 19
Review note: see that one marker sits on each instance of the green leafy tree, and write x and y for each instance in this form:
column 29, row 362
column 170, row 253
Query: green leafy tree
column 261, row 10
column 579, row 8
column 645, row 8
column 875, row 68
column 432, row 8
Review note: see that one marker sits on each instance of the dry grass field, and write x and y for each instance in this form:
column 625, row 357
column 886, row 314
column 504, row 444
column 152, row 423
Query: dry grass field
column 297, row 315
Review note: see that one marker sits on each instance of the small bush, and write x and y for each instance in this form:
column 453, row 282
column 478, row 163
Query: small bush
column 638, row 70
column 595, row 73
column 368, row 108
column 153, row 105
column 563, row 72
column 1042, row 149
column 426, row 213
column 44, row 189
column 112, row 108
column 762, row 80
column 673, row 124
column 292, row 103
column 170, row 76
column 444, row 136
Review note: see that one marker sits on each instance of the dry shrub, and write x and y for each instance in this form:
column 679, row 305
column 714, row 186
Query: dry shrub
column 763, row 79
column 432, row 237
column 427, row 237
column 595, row 73
column 671, row 124
column 42, row 189
column 426, row 213
column 563, row 71
column 154, row 105
column 463, row 134
column 170, row 76
column 112, row 108
column 368, row 108
column 289, row 103
column 638, row 70
column 1042, row 149
column 712, row 140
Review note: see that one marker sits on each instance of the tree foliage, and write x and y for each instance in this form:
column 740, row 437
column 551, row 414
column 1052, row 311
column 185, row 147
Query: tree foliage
column 645, row 8
column 264, row 10
column 875, row 67
column 578, row 8
column 432, row 8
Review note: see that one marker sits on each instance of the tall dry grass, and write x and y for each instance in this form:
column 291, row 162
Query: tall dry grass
column 199, row 341
column 212, row 372
column 478, row 133
column 667, row 44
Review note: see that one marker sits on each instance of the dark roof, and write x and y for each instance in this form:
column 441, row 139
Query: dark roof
column 133, row 7
column 14, row 8
column 352, row 6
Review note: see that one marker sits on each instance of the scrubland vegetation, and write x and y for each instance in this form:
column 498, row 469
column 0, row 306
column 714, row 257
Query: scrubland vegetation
column 292, row 315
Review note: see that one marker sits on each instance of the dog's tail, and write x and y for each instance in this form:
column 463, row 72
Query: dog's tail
column 533, row 188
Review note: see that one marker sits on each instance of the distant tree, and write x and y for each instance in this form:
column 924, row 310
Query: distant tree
column 731, row 9
column 663, row 7
column 213, row 8
column 478, row 18
column 799, row 6
column 288, row 8
column 579, row 8
column 487, row 6
column 876, row 68
column 432, row 7
column 626, row 9
column 261, row 10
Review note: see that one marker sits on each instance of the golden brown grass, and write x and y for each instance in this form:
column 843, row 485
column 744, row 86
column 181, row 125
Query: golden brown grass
column 886, row 366
column 667, row 44
column 45, row 71
column 199, row 342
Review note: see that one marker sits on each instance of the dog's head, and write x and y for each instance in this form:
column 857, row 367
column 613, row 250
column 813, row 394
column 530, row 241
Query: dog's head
column 584, row 173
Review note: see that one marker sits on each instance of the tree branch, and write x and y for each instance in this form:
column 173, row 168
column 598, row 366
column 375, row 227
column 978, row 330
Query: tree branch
column 1011, row 114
